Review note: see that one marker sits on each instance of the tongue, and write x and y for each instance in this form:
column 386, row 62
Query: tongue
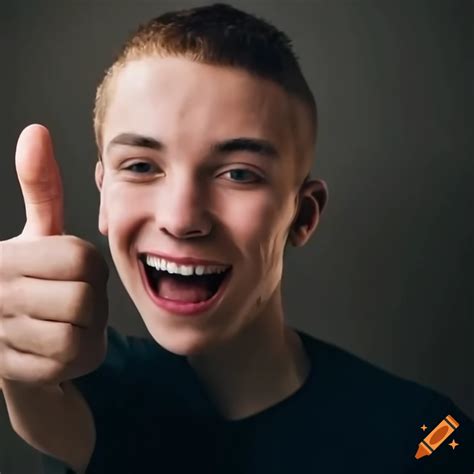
column 185, row 289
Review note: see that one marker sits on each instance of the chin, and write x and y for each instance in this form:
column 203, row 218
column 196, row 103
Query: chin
column 180, row 341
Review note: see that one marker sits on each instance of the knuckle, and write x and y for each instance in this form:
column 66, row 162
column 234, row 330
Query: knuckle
column 65, row 349
column 72, row 356
column 86, row 259
column 81, row 301
column 73, row 348
column 79, row 256
column 84, row 292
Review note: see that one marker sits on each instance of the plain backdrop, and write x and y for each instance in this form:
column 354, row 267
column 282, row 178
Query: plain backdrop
column 389, row 273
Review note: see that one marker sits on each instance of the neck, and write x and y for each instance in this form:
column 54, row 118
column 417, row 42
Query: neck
column 261, row 365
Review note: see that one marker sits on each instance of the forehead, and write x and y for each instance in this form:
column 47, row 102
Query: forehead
column 182, row 101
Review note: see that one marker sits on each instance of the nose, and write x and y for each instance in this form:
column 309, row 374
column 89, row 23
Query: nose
column 182, row 209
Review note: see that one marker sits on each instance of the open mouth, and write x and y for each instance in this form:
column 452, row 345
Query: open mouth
column 184, row 288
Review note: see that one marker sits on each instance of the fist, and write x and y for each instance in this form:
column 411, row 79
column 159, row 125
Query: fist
column 53, row 287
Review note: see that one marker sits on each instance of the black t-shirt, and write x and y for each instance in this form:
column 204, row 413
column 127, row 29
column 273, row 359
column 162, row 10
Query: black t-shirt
column 153, row 416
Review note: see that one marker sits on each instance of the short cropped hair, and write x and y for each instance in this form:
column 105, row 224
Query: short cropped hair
column 217, row 34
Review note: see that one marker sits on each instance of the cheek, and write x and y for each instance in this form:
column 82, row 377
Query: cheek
column 124, row 210
column 258, row 224
column 252, row 214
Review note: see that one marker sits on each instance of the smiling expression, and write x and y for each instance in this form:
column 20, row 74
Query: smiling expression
column 200, row 161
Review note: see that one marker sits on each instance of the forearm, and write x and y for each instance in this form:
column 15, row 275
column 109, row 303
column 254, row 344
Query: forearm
column 55, row 420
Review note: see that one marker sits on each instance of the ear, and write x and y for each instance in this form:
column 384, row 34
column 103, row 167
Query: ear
column 99, row 179
column 313, row 197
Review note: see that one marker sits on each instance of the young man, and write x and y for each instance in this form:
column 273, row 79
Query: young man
column 206, row 131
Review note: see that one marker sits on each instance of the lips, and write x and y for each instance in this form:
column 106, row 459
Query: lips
column 182, row 308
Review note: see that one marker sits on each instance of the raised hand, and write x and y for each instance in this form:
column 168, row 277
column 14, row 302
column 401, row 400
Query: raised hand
column 53, row 287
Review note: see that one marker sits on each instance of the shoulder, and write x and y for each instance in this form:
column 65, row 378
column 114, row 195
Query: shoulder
column 363, row 379
column 385, row 406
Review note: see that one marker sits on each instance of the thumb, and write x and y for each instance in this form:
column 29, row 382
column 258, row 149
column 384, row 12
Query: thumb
column 40, row 182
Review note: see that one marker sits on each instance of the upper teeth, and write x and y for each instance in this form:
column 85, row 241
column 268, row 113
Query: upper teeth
column 172, row 267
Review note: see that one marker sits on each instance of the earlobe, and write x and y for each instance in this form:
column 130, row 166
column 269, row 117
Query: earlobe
column 103, row 226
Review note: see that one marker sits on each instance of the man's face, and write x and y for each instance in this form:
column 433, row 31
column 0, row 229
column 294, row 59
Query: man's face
column 188, row 199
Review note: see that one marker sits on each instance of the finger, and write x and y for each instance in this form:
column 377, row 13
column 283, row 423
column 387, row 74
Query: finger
column 40, row 182
column 28, row 368
column 61, row 258
column 74, row 303
column 58, row 301
column 71, row 348
column 51, row 339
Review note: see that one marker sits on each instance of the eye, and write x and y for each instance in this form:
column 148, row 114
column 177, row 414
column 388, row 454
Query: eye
column 140, row 167
column 238, row 172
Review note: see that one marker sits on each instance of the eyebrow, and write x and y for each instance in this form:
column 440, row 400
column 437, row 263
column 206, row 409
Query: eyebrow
column 259, row 146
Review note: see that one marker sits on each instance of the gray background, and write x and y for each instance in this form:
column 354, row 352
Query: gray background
column 388, row 275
